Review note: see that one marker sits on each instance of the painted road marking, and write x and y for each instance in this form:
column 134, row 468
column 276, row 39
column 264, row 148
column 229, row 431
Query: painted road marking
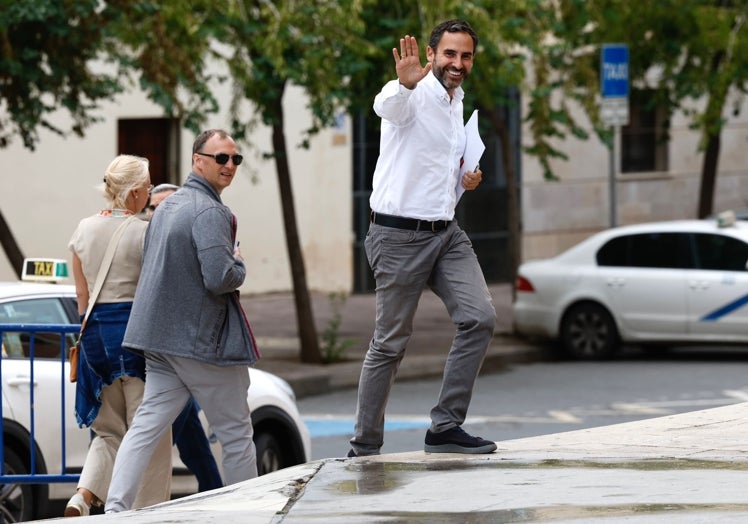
column 639, row 409
column 739, row 394
column 321, row 425
column 565, row 416
column 329, row 426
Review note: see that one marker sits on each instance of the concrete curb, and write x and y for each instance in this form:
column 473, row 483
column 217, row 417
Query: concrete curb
column 309, row 379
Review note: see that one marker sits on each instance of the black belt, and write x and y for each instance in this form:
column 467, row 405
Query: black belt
column 409, row 223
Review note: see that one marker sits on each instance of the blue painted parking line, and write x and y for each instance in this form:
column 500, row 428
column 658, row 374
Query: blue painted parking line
column 329, row 427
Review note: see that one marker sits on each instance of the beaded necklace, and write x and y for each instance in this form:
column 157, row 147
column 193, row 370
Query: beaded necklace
column 116, row 212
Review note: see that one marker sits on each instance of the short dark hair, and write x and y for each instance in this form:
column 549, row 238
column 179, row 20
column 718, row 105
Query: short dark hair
column 205, row 136
column 452, row 26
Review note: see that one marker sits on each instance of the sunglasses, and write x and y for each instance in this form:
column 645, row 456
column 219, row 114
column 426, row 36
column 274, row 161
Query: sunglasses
column 222, row 158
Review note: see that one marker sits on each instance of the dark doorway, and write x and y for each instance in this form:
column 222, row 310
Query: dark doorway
column 156, row 139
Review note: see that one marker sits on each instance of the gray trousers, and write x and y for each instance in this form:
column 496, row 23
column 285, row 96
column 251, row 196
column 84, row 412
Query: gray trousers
column 404, row 263
column 119, row 401
column 222, row 394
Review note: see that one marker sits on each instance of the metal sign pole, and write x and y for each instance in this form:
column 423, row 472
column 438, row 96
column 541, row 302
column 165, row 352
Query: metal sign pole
column 614, row 110
column 612, row 184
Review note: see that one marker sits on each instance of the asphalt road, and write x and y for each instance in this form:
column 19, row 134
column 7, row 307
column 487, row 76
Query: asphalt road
column 542, row 398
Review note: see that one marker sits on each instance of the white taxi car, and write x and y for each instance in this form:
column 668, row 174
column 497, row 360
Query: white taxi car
column 649, row 284
column 281, row 437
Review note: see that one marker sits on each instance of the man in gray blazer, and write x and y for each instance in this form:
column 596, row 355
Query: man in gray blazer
column 187, row 321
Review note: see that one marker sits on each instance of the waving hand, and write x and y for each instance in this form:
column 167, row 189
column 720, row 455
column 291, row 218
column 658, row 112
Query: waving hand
column 408, row 63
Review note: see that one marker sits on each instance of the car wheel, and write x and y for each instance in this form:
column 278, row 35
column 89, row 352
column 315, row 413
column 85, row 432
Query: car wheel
column 269, row 454
column 16, row 500
column 588, row 332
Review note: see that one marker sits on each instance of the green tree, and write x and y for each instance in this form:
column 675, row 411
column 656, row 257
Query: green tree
column 47, row 55
column 338, row 52
column 696, row 49
column 685, row 51
column 487, row 88
column 45, row 50
column 313, row 44
column 699, row 52
column 44, row 54
column 47, row 65
column 267, row 46
column 517, row 37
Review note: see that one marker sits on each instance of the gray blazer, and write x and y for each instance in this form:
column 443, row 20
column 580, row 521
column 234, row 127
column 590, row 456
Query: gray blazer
column 186, row 303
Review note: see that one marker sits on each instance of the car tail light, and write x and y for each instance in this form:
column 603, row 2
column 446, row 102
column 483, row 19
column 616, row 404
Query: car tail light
column 524, row 285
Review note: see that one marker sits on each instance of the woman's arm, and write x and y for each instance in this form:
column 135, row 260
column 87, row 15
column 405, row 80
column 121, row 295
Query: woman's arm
column 81, row 285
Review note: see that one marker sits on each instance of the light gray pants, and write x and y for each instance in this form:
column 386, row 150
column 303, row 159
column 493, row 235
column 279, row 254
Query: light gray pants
column 119, row 401
column 404, row 263
column 222, row 394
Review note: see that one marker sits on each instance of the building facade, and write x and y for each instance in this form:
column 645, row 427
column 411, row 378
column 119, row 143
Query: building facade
column 657, row 176
column 47, row 191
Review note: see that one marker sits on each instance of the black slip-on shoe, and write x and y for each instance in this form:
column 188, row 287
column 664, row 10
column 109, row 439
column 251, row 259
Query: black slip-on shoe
column 456, row 440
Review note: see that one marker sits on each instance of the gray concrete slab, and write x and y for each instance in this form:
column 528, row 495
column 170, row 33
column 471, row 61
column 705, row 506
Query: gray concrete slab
column 686, row 468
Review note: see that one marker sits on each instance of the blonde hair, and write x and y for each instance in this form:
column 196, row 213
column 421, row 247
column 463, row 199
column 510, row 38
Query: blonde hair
column 125, row 173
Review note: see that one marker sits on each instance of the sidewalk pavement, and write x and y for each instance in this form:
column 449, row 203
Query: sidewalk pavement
column 273, row 319
column 687, row 468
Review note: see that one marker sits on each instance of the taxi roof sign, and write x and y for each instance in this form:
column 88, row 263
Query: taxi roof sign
column 44, row 269
column 726, row 218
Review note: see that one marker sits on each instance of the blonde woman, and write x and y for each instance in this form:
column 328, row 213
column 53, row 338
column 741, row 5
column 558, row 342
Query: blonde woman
column 111, row 379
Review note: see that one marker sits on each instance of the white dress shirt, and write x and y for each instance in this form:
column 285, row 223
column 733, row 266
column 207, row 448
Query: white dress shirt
column 421, row 147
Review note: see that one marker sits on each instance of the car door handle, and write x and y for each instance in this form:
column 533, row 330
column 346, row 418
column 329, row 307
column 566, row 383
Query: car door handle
column 21, row 381
column 698, row 284
column 615, row 281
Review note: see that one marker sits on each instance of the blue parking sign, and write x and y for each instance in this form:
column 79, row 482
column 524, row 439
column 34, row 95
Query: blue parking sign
column 614, row 71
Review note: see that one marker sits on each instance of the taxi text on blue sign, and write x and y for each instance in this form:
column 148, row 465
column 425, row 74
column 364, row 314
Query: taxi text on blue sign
column 614, row 71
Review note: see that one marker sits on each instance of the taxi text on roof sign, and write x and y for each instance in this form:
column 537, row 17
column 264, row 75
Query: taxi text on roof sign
column 44, row 269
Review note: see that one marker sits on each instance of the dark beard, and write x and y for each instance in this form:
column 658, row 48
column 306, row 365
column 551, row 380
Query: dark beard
column 441, row 75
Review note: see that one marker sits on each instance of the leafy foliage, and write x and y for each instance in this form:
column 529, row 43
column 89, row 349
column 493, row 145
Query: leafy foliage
column 63, row 55
column 334, row 348
column 316, row 45
column 167, row 44
column 60, row 58
column 45, row 51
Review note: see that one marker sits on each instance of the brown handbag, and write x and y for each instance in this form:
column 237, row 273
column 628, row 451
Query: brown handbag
column 106, row 263
column 73, row 357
